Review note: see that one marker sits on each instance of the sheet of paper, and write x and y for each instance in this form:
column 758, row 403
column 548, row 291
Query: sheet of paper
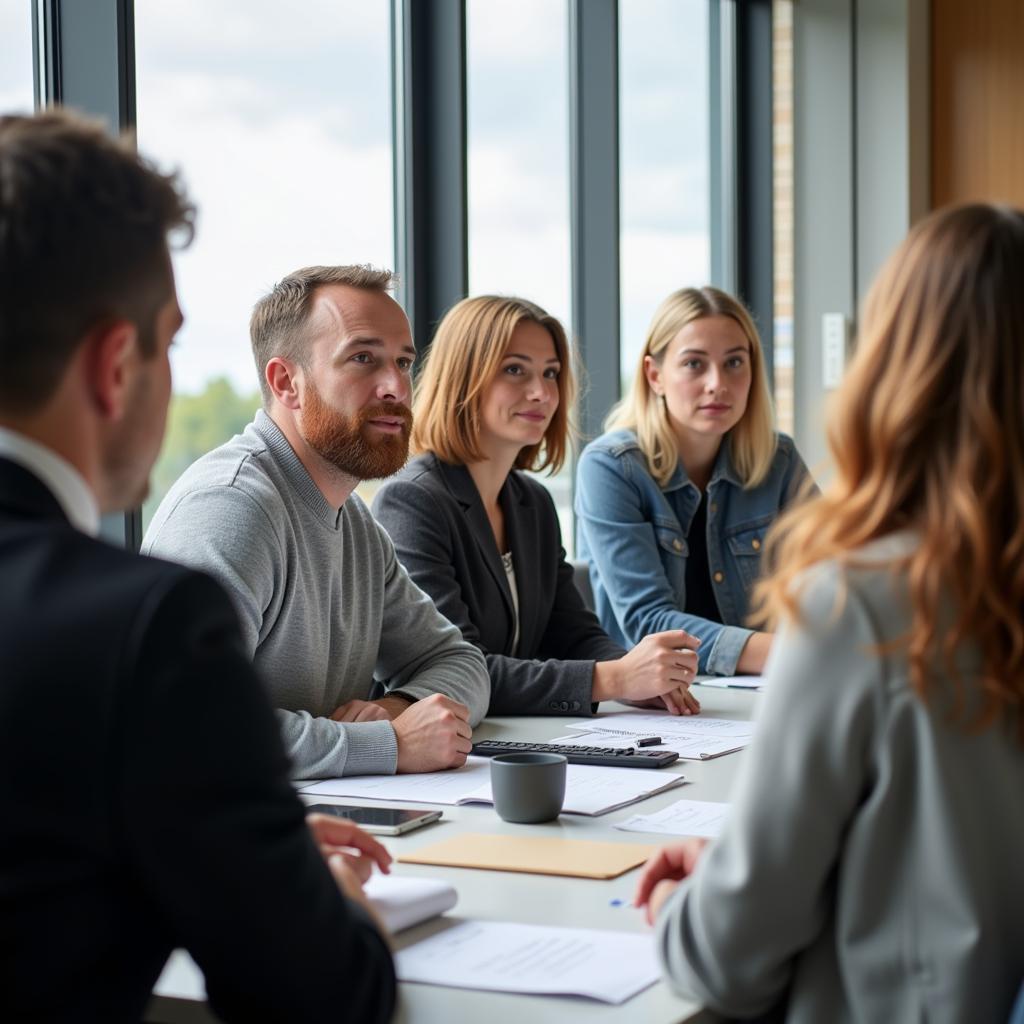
column 731, row 682
column 691, row 748
column 589, row 789
column 450, row 787
column 693, row 737
column 645, row 723
column 683, row 818
column 539, row 959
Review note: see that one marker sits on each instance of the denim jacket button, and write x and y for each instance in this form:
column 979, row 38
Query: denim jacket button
column 677, row 544
column 755, row 544
column 718, row 577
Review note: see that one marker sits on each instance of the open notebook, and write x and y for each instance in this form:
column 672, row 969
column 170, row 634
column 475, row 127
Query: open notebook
column 402, row 902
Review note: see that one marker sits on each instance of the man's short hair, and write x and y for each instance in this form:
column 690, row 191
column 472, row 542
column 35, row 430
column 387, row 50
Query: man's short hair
column 280, row 320
column 84, row 228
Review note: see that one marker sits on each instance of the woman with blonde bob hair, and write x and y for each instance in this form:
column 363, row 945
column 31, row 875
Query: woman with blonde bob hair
column 674, row 501
column 878, row 822
column 481, row 537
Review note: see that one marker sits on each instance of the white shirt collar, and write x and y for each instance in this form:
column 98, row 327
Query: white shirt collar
column 62, row 479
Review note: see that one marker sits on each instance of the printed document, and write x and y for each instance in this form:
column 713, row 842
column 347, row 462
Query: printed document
column 694, row 737
column 683, row 818
column 589, row 789
column 505, row 957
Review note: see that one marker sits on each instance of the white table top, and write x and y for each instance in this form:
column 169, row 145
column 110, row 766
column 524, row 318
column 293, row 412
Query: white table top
column 505, row 896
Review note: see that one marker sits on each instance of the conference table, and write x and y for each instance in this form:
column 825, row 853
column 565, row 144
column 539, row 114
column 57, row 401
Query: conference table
column 179, row 997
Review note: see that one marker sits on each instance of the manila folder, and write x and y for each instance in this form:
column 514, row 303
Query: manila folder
column 542, row 855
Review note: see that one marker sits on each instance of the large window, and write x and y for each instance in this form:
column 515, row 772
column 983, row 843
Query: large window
column 518, row 164
column 16, row 93
column 664, row 154
column 518, row 128
column 282, row 128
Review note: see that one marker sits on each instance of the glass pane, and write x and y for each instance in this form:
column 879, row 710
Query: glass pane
column 16, row 94
column 282, row 127
column 782, row 184
column 664, row 152
column 518, row 141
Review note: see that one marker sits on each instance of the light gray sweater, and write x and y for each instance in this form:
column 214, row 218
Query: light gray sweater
column 871, row 861
column 326, row 608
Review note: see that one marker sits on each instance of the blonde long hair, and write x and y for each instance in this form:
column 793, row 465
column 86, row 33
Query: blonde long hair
column 752, row 440
column 927, row 433
column 463, row 359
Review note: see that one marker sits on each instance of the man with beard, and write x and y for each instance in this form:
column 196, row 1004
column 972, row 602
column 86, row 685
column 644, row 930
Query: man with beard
column 329, row 614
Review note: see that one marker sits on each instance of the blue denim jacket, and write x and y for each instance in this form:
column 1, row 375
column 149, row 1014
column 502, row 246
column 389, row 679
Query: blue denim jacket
column 633, row 535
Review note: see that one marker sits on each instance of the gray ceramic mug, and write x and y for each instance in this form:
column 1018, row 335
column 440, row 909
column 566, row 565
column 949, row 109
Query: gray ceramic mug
column 528, row 788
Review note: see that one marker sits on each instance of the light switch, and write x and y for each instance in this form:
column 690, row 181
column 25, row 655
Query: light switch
column 834, row 342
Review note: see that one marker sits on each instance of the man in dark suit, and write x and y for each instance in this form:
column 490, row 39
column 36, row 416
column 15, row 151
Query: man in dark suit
column 144, row 801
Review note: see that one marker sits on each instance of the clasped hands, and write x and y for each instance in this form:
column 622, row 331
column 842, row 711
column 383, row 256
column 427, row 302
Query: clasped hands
column 656, row 673
column 432, row 734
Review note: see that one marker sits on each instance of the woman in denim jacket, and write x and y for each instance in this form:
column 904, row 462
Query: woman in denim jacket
column 674, row 501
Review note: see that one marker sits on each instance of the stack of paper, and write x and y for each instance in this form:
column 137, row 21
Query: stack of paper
column 402, row 902
column 695, row 737
column 539, row 959
column 589, row 789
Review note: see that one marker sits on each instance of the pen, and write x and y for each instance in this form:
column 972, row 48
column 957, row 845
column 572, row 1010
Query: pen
column 649, row 741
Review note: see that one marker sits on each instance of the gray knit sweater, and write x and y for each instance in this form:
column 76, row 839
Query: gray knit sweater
column 326, row 608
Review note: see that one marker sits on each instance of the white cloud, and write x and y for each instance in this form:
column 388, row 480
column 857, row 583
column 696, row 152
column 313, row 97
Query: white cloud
column 271, row 197
column 201, row 29
column 16, row 57
column 654, row 264
column 514, row 32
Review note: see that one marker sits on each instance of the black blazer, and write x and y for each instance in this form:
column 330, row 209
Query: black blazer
column 444, row 539
column 144, row 797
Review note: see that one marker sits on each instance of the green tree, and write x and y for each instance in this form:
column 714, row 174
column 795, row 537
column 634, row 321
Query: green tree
column 196, row 424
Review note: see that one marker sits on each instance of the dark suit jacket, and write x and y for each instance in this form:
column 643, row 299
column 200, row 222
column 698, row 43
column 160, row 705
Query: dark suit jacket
column 144, row 801
column 444, row 539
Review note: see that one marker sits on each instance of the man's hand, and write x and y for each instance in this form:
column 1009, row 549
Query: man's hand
column 338, row 837
column 662, row 664
column 393, row 705
column 663, row 873
column 361, row 711
column 433, row 734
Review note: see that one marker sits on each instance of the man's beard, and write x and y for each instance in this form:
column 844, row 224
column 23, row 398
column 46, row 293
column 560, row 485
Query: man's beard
column 343, row 442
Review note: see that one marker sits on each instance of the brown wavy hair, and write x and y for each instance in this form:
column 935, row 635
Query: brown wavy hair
column 927, row 434
column 463, row 359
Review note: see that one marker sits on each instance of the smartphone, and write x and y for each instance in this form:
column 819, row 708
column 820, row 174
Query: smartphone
column 382, row 821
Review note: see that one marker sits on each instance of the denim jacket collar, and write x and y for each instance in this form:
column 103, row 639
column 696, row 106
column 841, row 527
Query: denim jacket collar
column 723, row 470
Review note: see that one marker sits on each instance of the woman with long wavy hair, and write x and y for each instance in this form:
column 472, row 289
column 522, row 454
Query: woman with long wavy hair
column 878, row 825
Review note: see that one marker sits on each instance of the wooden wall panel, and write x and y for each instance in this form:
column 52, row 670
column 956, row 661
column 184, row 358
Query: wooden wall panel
column 977, row 114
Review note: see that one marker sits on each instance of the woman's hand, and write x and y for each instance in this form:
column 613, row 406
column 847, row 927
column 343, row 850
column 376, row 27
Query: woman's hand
column 663, row 872
column 675, row 702
column 754, row 654
column 661, row 666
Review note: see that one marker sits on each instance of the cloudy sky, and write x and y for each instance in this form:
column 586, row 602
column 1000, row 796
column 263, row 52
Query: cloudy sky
column 279, row 117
